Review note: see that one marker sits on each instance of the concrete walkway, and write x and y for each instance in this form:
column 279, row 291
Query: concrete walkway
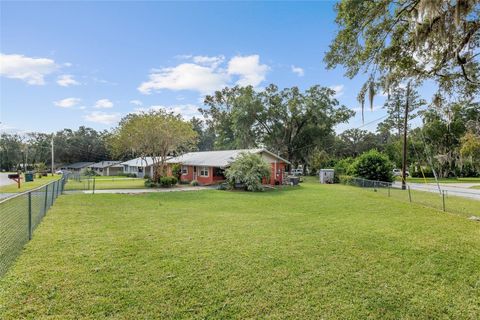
column 140, row 191
column 453, row 189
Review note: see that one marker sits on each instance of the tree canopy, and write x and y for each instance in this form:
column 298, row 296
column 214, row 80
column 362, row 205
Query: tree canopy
column 395, row 40
column 285, row 121
column 156, row 134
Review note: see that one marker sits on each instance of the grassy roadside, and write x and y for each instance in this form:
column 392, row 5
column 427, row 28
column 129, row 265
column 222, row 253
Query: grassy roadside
column 25, row 186
column 316, row 251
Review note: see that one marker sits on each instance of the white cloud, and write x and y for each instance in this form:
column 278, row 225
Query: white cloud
column 136, row 102
column 187, row 111
column 298, row 71
column 214, row 61
column 185, row 76
column 205, row 74
column 67, row 103
column 66, row 80
column 339, row 90
column 103, row 104
column 30, row 70
column 102, row 117
column 249, row 69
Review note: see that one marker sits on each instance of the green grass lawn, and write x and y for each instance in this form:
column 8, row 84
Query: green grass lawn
column 317, row 251
column 25, row 186
column 441, row 180
column 104, row 183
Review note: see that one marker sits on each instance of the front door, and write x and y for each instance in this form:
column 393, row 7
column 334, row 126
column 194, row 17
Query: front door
column 194, row 173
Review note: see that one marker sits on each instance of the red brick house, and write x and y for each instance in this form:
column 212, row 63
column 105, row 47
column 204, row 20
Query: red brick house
column 208, row 167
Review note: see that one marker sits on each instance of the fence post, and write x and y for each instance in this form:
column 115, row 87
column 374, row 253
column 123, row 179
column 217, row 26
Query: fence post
column 53, row 193
column 443, row 200
column 29, row 216
column 409, row 194
column 93, row 185
column 46, row 201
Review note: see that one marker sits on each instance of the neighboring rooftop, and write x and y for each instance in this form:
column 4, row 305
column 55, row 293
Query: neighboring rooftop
column 106, row 164
column 78, row 165
column 138, row 162
column 221, row 158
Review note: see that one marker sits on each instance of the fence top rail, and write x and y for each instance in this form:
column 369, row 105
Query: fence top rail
column 28, row 191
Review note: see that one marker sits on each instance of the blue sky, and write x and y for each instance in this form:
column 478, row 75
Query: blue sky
column 71, row 64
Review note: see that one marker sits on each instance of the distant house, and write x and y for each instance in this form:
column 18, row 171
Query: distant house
column 138, row 166
column 208, row 167
column 77, row 167
column 107, row 168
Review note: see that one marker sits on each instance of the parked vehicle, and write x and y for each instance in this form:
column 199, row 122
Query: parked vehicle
column 398, row 173
column 297, row 172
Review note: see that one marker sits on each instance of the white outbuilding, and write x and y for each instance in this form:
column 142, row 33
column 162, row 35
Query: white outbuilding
column 326, row 175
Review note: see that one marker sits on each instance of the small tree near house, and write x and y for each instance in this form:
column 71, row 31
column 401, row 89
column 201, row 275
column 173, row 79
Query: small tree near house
column 156, row 134
column 248, row 169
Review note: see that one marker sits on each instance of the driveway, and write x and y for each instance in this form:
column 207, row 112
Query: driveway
column 453, row 189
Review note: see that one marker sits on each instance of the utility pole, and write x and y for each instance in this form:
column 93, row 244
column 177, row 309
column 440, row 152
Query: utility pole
column 405, row 128
column 53, row 157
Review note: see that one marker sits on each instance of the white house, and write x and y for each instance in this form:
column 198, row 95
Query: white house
column 139, row 166
column 107, row 168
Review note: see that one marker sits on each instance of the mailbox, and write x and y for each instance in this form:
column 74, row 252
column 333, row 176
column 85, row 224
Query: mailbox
column 13, row 176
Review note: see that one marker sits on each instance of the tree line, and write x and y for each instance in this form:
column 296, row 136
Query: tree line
column 298, row 125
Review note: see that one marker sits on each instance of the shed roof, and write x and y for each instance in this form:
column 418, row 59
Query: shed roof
column 221, row 158
column 105, row 164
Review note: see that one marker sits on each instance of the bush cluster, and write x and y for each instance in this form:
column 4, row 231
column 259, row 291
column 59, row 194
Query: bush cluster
column 248, row 170
column 373, row 165
column 165, row 182
column 168, row 181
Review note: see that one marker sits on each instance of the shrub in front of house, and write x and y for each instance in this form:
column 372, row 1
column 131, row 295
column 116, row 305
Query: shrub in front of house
column 248, row 170
column 168, row 181
column 177, row 171
column 194, row 183
column 150, row 184
column 373, row 165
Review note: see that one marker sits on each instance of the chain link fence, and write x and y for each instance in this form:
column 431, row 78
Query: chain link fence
column 433, row 196
column 19, row 217
column 84, row 183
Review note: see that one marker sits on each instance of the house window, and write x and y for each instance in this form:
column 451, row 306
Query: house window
column 204, row 171
column 184, row 170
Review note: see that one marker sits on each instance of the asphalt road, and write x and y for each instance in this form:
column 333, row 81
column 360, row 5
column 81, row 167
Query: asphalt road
column 453, row 189
column 4, row 179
